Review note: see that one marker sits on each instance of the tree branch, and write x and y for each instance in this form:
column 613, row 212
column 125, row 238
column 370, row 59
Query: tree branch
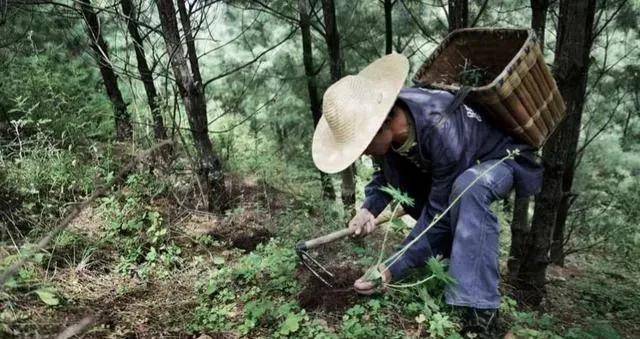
column 480, row 12
column 608, row 20
column 231, row 71
column 418, row 23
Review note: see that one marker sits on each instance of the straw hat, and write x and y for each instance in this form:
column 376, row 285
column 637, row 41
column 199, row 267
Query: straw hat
column 354, row 109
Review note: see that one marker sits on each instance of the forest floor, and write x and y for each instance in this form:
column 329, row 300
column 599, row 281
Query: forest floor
column 235, row 275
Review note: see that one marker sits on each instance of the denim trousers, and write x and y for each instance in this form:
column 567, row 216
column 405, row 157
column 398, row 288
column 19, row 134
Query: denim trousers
column 473, row 238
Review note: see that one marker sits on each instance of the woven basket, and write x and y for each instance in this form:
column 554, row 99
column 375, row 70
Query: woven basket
column 516, row 88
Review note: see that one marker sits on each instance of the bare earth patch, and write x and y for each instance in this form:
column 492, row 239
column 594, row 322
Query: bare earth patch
column 120, row 306
column 316, row 296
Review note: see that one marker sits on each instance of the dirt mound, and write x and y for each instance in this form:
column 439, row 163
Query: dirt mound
column 243, row 231
column 247, row 240
column 316, row 296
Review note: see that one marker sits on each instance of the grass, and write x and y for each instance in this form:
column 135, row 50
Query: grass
column 473, row 76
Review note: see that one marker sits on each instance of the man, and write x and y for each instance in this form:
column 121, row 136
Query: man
column 433, row 155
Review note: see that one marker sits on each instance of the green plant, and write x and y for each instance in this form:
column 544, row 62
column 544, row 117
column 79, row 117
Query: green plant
column 255, row 294
column 28, row 279
column 47, row 174
column 138, row 231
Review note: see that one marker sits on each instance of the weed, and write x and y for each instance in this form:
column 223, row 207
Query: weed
column 138, row 231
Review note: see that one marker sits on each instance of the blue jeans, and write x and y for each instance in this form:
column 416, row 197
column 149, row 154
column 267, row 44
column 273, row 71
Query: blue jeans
column 476, row 231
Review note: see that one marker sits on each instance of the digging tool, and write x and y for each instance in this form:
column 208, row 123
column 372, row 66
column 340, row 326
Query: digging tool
column 313, row 265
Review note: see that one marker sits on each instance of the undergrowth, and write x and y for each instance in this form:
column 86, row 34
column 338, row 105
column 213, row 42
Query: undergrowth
column 138, row 230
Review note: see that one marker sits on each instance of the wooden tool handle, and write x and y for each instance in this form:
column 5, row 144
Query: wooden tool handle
column 313, row 243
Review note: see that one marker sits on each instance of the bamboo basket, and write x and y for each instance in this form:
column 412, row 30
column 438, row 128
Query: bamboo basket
column 522, row 99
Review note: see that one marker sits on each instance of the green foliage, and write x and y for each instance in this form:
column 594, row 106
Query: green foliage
column 608, row 215
column 437, row 269
column 48, row 296
column 601, row 301
column 440, row 326
column 354, row 324
column 138, row 231
column 44, row 176
column 525, row 324
column 27, row 280
column 27, row 276
column 254, row 294
column 596, row 331
column 48, row 92
column 398, row 196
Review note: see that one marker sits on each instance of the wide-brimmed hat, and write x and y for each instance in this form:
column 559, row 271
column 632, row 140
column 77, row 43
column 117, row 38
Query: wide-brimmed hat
column 354, row 109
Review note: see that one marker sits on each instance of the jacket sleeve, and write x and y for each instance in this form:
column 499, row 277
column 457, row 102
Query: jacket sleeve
column 376, row 200
column 445, row 161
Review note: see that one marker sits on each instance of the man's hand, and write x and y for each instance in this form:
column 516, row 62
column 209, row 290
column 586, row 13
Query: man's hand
column 362, row 223
column 366, row 286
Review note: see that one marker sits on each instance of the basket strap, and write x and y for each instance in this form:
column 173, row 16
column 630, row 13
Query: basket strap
column 458, row 99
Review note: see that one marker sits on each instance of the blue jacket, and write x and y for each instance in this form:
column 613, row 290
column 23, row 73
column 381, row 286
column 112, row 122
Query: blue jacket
column 446, row 149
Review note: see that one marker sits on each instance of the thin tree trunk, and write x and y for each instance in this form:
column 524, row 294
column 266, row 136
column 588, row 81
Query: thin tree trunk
column 575, row 101
column 519, row 230
column 575, row 25
column 557, row 243
column 539, row 9
column 458, row 14
column 388, row 26
column 627, row 120
column 520, row 223
column 146, row 76
column 124, row 130
column 337, row 64
column 192, row 92
column 192, row 55
column 314, row 99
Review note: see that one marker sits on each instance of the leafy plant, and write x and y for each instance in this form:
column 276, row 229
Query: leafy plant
column 139, row 231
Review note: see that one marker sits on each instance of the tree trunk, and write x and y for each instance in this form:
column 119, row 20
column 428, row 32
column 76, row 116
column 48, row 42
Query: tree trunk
column 539, row 9
column 519, row 231
column 192, row 55
column 388, row 26
column 520, row 223
column 337, row 64
column 458, row 14
column 575, row 25
column 146, row 76
column 100, row 48
column 314, row 100
column 557, row 241
column 627, row 120
column 192, row 93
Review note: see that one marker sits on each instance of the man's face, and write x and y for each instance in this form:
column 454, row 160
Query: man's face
column 381, row 142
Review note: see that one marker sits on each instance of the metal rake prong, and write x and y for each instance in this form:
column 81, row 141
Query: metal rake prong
column 306, row 258
column 317, row 263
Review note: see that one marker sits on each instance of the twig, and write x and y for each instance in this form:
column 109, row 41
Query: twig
column 77, row 328
column 480, row 12
column 418, row 23
column 608, row 20
column 231, row 71
column 386, row 234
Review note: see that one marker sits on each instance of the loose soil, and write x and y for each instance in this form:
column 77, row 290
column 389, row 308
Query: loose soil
column 247, row 240
column 316, row 296
column 249, row 223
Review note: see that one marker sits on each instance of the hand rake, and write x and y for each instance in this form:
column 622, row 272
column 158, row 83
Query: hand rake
column 313, row 265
